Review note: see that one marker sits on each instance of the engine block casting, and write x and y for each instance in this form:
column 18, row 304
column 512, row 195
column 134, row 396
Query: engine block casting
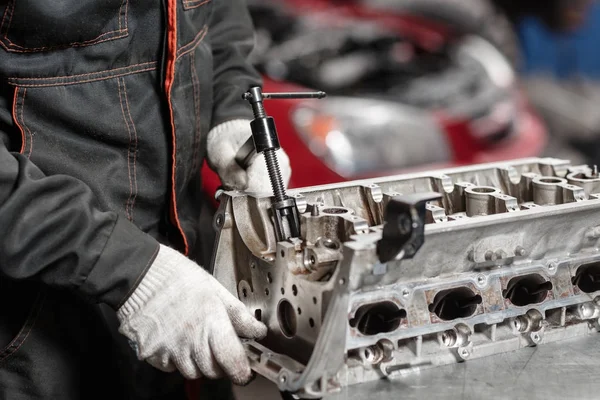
column 396, row 274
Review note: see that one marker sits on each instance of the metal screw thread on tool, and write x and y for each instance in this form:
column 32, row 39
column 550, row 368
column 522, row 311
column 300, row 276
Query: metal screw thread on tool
column 270, row 156
column 275, row 175
column 259, row 110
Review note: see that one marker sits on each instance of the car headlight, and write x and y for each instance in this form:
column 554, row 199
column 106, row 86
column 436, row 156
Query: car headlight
column 357, row 137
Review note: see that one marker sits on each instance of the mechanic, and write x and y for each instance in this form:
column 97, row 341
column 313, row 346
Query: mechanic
column 107, row 110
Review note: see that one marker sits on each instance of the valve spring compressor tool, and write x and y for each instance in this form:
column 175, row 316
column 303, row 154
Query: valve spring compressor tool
column 265, row 140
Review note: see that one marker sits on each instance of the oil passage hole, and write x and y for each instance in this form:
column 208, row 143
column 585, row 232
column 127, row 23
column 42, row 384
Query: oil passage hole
column 331, row 244
column 294, row 290
column 455, row 303
column 258, row 314
column 528, row 289
column 587, row 278
column 335, row 211
column 372, row 319
column 287, row 318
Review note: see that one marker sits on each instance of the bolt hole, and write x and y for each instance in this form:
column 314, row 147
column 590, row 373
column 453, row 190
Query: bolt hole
column 483, row 190
column 258, row 314
column 294, row 290
column 287, row 318
column 335, row 211
column 342, row 281
column 550, row 180
column 331, row 244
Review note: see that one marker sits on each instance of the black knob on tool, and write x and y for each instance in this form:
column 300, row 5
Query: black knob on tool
column 265, row 140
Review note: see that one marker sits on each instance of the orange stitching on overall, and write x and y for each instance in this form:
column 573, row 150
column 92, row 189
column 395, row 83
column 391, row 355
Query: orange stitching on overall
column 20, row 49
column 16, row 119
column 29, row 324
column 3, row 18
column 22, row 106
column 124, row 16
column 73, row 79
column 196, row 86
column 135, row 147
column 84, row 81
column 193, row 44
column 127, row 210
column 169, row 78
column 37, row 78
column 189, row 5
column 12, row 12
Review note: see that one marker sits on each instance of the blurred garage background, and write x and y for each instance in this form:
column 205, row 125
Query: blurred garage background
column 421, row 84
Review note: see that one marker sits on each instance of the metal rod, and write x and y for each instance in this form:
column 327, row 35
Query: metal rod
column 295, row 95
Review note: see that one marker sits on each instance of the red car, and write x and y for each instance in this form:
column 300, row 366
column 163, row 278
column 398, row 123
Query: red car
column 403, row 93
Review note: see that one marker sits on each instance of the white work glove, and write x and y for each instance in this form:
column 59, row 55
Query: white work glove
column 180, row 317
column 223, row 143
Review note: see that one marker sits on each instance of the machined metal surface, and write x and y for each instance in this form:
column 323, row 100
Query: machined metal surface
column 509, row 260
column 555, row 371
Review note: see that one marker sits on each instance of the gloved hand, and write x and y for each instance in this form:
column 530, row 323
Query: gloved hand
column 180, row 317
column 224, row 141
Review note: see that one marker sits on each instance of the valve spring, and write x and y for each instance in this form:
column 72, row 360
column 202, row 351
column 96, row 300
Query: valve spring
column 275, row 175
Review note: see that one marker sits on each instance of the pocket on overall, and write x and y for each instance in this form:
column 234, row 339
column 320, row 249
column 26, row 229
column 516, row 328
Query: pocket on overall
column 20, row 304
column 36, row 26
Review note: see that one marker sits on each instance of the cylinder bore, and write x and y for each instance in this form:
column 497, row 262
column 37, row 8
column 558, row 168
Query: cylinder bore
column 286, row 315
column 455, row 303
column 372, row 319
column 587, row 278
column 527, row 289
